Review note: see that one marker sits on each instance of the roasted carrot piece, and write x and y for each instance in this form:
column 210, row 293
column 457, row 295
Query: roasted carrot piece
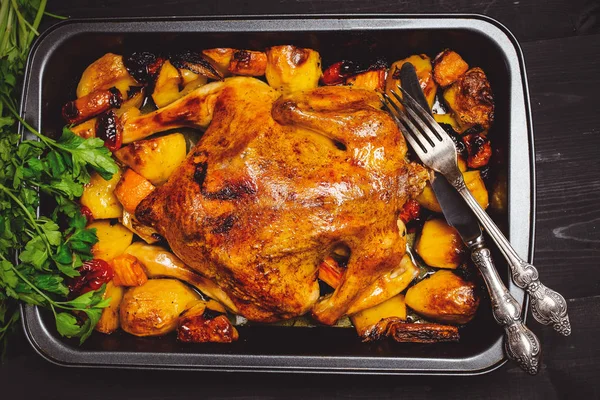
column 128, row 271
column 132, row 189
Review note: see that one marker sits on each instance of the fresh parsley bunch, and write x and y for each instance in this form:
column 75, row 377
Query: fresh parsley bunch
column 36, row 254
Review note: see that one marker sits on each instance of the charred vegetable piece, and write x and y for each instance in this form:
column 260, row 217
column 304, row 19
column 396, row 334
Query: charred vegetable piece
column 337, row 73
column 479, row 150
column 440, row 245
column 143, row 66
column 448, row 67
column 108, row 128
column 473, row 181
column 166, row 89
column 422, row 65
column 195, row 62
column 95, row 103
column 471, row 99
column 154, row 159
column 291, row 68
column 444, row 297
column 206, row 322
column 369, row 80
column 158, row 262
column 220, row 58
column 98, row 196
column 248, row 63
column 153, row 309
column 146, row 233
column 422, row 333
column 109, row 321
column 371, row 324
column 113, row 239
column 128, row 271
column 106, row 72
column 93, row 274
column 132, row 189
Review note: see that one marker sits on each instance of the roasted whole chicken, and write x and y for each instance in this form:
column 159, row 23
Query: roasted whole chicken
column 274, row 185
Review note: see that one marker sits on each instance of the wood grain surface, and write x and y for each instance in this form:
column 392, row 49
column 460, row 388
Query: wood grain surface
column 561, row 43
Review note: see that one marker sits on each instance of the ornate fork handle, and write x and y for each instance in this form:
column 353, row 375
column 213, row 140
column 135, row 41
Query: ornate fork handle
column 520, row 344
column 547, row 306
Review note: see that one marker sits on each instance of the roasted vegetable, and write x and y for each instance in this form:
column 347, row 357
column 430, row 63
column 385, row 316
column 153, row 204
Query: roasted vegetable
column 132, row 189
column 108, row 128
column 98, row 196
column 422, row 333
column 195, row 62
column 206, row 322
column 371, row 323
column 153, row 309
column 448, row 66
column 479, row 150
column 291, row 68
column 166, row 88
column 128, row 271
column 411, row 210
column 471, row 99
column 146, row 233
column 91, row 105
column 106, row 72
column 154, row 159
column 473, row 181
column 143, row 66
column 248, row 63
column 444, row 297
column 422, row 65
column 158, row 262
column 109, row 321
column 113, row 239
column 220, row 58
column 92, row 275
column 370, row 80
column 440, row 245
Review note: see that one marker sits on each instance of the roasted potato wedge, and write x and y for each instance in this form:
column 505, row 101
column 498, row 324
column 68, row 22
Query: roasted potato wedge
column 109, row 321
column 106, row 72
column 154, row 159
column 153, row 309
column 166, row 89
column 98, row 195
column 158, row 262
column 444, row 297
column 448, row 66
column 440, row 245
column 370, row 323
column 291, row 68
column 220, row 58
column 132, row 189
column 113, row 239
column 471, row 99
column 128, row 271
column 206, row 322
column 422, row 65
column 473, row 181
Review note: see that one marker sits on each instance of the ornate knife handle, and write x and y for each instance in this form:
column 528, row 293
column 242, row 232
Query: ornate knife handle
column 520, row 344
column 547, row 306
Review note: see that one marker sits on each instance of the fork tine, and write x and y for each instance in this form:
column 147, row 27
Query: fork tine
column 425, row 131
column 413, row 105
column 402, row 119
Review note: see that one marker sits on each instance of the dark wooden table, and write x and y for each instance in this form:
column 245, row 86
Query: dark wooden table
column 561, row 42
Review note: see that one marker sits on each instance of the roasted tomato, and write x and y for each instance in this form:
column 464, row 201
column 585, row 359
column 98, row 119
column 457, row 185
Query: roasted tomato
column 337, row 73
column 410, row 211
column 88, row 106
column 87, row 213
column 108, row 128
column 94, row 274
column 479, row 150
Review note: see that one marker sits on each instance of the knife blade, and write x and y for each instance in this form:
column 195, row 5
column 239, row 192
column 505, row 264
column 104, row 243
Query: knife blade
column 520, row 344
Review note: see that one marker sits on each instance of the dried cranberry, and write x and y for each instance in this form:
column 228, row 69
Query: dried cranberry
column 93, row 274
column 108, row 128
column 87, row 213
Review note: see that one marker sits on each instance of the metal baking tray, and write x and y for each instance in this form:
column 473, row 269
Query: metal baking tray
column 61, row 54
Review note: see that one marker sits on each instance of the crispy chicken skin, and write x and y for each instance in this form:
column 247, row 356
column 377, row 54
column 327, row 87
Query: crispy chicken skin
column 274, row 184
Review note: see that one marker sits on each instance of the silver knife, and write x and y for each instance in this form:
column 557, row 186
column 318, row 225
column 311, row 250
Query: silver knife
column 520, row 344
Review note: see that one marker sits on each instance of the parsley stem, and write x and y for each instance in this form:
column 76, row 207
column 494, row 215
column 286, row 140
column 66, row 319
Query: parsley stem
column 29, row 216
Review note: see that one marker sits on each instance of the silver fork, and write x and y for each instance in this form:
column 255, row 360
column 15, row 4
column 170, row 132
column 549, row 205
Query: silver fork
column 436, row 150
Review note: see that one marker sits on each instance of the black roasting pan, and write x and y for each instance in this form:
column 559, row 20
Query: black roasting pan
column 61, row 54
